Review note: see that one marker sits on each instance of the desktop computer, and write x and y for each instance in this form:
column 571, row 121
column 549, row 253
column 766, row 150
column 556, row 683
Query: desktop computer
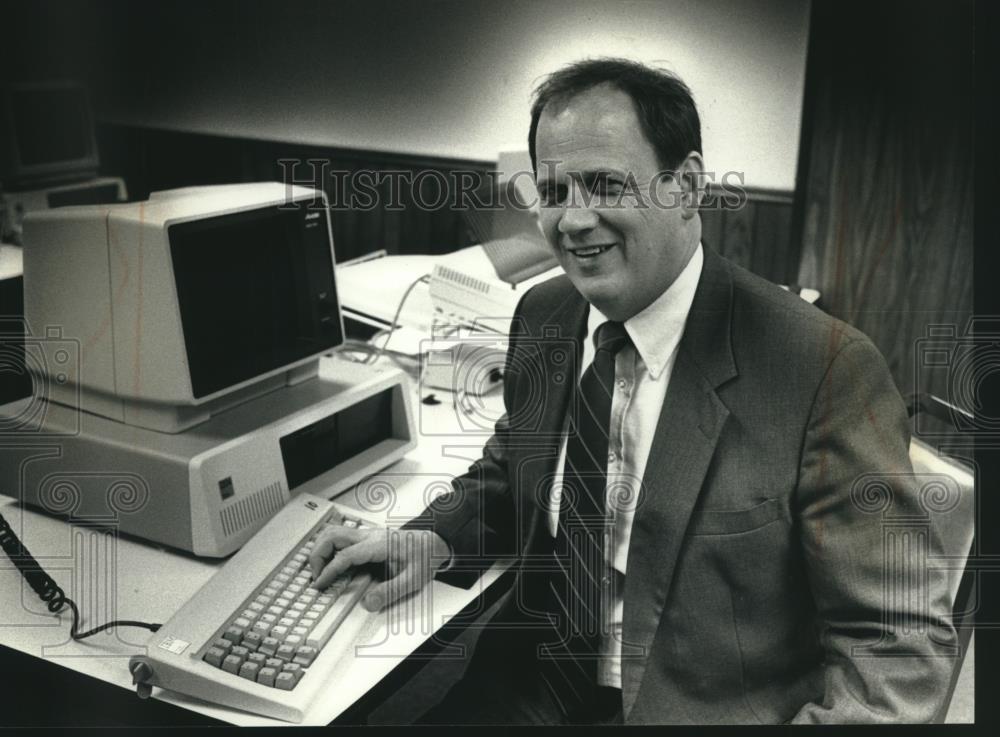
column 175, row 352
column 16, row 204
column 46, row 134
column 48, row 158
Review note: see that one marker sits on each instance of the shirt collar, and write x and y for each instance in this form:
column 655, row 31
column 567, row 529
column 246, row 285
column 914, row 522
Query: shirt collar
column 656, row 331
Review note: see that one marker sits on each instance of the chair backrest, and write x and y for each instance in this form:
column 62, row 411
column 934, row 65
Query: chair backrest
column 956, row 521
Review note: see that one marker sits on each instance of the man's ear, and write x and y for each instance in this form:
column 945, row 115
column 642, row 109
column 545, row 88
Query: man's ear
column 693, row 182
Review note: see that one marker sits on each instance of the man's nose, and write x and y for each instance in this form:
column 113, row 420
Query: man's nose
column 577, row 218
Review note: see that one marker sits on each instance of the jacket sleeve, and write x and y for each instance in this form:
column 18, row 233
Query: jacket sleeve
column 867, row 534
column 477, row 518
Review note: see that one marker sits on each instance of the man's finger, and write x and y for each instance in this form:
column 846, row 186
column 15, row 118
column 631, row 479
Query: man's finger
column 389, row 592
column 329, row 542
column 366, row 551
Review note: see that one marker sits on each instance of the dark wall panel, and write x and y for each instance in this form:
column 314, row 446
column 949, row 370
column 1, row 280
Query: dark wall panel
column 885, row 188
column 152, row 160
column 754, row 230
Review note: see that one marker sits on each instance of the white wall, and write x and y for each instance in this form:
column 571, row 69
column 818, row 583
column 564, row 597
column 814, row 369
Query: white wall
column 453, row 78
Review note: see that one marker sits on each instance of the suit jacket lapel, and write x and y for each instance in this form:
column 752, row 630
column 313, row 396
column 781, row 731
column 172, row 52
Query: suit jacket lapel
column 688, row 429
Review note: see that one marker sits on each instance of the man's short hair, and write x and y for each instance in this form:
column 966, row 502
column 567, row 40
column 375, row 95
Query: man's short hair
column 664, row 104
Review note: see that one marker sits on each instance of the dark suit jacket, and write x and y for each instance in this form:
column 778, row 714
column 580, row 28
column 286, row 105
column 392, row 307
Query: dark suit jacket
column 766, row 579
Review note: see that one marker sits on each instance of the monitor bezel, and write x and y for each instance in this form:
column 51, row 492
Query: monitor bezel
column 21, row 176
column 220, row 394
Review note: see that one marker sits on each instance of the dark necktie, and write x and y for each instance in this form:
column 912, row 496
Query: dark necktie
column 579, row 548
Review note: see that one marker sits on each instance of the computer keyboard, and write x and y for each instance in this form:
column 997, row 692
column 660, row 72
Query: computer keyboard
column 257, row 636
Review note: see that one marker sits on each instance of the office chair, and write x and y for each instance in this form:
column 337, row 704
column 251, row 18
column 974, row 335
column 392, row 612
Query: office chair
column 957, row 525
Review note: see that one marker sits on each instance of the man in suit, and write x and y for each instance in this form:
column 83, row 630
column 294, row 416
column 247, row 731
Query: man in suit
column 694, row 468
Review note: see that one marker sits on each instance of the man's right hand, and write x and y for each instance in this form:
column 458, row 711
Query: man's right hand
column 411, row 558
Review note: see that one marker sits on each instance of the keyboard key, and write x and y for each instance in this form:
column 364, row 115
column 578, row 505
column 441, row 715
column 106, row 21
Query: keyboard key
column 250, row 614
column 253, row 638
column 262, row 599
column 276, row 663
column 283, row 602
column 268, row 618
column 283, row 577
column 313, row 616
column 269, row 645
column 242, row 622
column 299, row 606
column 286, row 622
column 340, row 608
column 262, row 628
column 266, row 676
column 293, row 616
column 258, row 658
column 349, row 523
column 293, row 589
column 293, row 640
column 286, row 652
column 233, row 634
column 215, row 656
column 232, row 663
column 272, row 590
column 275, row 610
column 239, row 651
column 278, row 632
column 300, row 631
column 255, row 606
column 285, row 681
column 305, row 656
column 249, row 671
column 223, row 644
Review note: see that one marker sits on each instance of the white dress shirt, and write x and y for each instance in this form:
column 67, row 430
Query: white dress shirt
column 642, row 372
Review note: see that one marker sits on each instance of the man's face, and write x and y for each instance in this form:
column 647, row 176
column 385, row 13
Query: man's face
column 616, row 224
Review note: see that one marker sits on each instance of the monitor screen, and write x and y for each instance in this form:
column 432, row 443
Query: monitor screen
column 255, row 292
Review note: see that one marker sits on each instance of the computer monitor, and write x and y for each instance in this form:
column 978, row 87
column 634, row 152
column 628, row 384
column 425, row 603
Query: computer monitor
column 175, row 349
column 46, row 134
column 182, row 305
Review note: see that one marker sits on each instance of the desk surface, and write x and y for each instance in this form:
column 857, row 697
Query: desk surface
column 113, row 577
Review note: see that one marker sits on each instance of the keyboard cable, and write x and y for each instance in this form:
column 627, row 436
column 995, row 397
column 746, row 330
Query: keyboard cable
column 48, row 590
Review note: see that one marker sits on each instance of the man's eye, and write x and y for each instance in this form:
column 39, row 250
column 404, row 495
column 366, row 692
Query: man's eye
column 605, row 187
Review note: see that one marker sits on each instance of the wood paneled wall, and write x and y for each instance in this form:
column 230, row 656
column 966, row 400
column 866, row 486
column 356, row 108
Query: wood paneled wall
column 884, row 210
column 754, row 230
column 152, row 160
column 750, row 226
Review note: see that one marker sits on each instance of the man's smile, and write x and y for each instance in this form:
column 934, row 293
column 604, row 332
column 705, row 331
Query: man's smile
column 590, row 252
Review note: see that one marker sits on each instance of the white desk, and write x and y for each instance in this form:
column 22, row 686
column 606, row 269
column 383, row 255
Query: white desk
column 115, row 578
